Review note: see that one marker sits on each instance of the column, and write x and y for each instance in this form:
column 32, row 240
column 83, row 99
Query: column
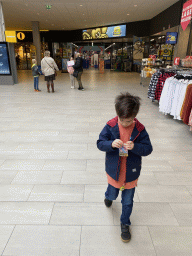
column 2, row 24
column 36, row 40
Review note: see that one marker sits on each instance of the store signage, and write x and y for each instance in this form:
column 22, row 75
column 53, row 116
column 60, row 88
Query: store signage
column 176, row 61
column 10, row 36
column 48, row 7
column 20, row 35
column 186, row 14
column 171, row 37
column 4, row 60
column 105, row 32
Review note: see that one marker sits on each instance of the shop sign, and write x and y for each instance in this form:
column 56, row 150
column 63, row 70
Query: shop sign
column 186, row 14
column 176, row 61
column 10, row 36
column 20, row 35
column 171, row 37
column 105, row 32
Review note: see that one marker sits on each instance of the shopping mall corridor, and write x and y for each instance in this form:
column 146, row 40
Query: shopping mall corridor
column 52, row 176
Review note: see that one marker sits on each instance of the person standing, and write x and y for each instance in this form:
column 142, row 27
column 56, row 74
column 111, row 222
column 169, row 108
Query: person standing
column 49, row 67
column 35, row 73
column 70, row 69
column 78, row 67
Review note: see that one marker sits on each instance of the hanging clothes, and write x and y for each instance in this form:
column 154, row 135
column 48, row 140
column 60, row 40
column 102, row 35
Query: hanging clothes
column 187, row 105
column 153, row 84
column 190, row 121
column 161, row 82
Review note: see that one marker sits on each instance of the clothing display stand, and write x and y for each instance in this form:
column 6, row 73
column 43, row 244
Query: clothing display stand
column 142, row 71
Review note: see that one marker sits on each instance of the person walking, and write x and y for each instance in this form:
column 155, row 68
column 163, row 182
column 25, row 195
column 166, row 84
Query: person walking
column 78, row 67
column 49, row 68
column 125, row 140
column 35, row 73
column 70, row 69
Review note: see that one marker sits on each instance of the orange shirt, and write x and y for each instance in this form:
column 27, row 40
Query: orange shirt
column 125, row 134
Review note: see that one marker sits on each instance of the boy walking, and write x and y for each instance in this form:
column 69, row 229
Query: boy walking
column 35, row 73
column 125, row 141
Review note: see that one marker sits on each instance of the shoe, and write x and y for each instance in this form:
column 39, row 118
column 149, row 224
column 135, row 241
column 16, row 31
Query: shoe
column 125, row 233
column 38, row 90
column 48, row 91
column 82, row 89
column 107, row 202
column 53, row 91
column 72, row 87
column 35, row 90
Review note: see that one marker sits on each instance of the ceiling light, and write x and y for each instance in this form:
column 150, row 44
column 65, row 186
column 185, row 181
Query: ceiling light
column 135, row 5
column 81, row 5
column 127, row 13
column 152, row 40
column 159, row 37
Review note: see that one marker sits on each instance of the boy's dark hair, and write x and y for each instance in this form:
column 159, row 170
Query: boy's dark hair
column 127, row 105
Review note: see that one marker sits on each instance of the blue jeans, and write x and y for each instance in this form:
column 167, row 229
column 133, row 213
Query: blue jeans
column 36, row 83
column 126, row 200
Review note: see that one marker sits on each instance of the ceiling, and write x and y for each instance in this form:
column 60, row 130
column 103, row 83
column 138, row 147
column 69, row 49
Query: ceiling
column 70, row 15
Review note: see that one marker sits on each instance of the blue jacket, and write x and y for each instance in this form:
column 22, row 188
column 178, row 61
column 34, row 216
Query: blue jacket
column 142, row 147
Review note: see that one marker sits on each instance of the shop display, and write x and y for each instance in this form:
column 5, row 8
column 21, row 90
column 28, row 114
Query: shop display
column 4, row 60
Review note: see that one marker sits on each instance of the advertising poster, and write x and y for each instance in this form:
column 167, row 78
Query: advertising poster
column 4, row 60
column 171, row 37
column 186, row 14
column 105, row 32
column 138, row 48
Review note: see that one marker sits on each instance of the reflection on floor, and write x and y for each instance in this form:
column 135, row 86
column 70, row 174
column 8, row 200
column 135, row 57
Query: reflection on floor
column 52, row 178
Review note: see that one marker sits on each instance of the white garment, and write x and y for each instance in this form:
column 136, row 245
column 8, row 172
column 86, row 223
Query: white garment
column 48, row 66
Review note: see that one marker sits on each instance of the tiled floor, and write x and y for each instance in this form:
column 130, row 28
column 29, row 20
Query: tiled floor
column 52, row 178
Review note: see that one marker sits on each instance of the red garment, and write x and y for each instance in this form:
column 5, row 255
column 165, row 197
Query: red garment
column 160, row 84
column 187, row 105
column 125, row 134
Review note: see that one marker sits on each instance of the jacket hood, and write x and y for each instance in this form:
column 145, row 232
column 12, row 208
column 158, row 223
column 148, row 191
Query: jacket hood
column 113, row 122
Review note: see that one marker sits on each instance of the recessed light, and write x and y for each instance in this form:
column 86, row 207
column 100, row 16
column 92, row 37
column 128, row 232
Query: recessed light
column 127, row 13
column 81, row 5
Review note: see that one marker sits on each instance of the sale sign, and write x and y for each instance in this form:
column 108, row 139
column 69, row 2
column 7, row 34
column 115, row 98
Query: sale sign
column 186, row 14
column 177, row 61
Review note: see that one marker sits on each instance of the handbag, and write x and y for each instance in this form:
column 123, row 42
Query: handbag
column 75, row 73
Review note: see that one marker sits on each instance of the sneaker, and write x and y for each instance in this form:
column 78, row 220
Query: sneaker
column 107, row 202
column 82, row 89
column 125, row 233
column 38, row 90
column 35, row 90
column 72, row 87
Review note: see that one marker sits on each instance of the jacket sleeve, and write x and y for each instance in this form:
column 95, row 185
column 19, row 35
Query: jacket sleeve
column 42, row 66
column 143, row 147
column 104, row 143
column 55, row 65
column 77, row 64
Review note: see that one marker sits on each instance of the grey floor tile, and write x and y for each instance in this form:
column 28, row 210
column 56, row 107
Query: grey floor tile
column 172, row 241
column 35, row 146
column 5, row 233
column 57, row 193
column 15, row 192
column 106, row 241
column 69, row 146
column 39, row 154
column 65, row 165
column 6, row 177
column 183, row 213
column 81, row 214
column 96, row 165
column 181, row 166
column 96, row 194
column 88, row 154
column 37, row 177
column 148, row 214
column 174, row 178
column 25, row 213
column 22, row 165
column 147, row 178
column 166, row 194
column 44, row 240
column 156, row 166
column 83, row 177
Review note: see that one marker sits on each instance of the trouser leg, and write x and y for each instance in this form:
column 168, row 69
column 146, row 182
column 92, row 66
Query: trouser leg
column 79, row 80
column 52, row 86
column 127, row 205
column 48, row 85
column 111, row 193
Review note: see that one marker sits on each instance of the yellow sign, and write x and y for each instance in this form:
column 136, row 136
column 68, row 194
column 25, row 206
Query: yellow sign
column 20, row 35
column 10, row 36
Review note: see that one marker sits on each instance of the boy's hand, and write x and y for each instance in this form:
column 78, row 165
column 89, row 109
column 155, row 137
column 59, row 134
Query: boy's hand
column 117, row 144
column 129, row 145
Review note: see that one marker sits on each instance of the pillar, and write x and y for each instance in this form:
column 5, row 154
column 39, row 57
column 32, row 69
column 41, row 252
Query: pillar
column 2, row 24
column 37, row 41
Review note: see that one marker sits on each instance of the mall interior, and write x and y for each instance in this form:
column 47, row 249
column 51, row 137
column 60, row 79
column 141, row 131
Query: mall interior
column 52, row 175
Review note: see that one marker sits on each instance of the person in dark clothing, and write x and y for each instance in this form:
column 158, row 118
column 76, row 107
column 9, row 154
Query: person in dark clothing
column 35, row 73
column 79, row 67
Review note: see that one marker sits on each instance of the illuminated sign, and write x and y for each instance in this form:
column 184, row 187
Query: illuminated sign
column 171, row 37
column 4, row 60
column 105, row 32
column 10, row 36
column 20, row 35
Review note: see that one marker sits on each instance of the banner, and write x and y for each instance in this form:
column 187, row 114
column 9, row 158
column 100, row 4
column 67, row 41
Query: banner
column 171, row 37
column 186, row 14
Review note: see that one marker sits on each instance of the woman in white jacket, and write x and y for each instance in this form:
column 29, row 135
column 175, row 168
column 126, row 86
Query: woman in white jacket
column 48, row 67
